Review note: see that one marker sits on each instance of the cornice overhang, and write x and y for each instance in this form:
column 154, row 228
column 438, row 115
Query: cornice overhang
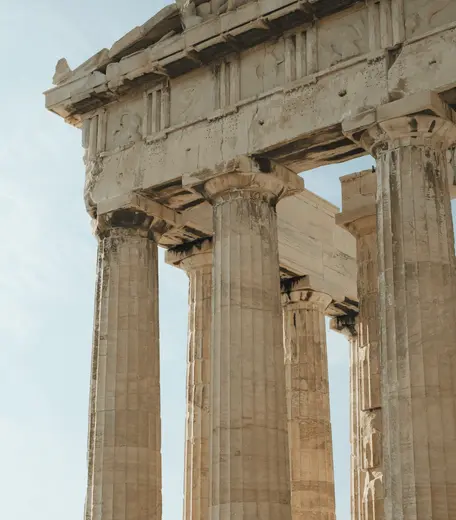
column 162, row 48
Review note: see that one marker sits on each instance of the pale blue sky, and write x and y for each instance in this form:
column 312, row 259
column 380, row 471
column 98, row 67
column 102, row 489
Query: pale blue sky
column 47, row 270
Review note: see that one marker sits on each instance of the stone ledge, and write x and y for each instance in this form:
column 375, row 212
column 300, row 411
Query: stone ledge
column 175, row 52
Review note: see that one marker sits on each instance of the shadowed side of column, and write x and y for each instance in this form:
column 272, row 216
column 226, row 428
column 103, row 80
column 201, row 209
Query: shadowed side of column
column 309, row 421
column 359, row 214
column 196, row 260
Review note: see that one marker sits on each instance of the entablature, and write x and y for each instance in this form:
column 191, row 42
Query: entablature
column 161, row 48
column 283, row 99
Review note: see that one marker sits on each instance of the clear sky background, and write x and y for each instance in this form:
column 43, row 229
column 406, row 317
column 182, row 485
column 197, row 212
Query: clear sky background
column 47, row 276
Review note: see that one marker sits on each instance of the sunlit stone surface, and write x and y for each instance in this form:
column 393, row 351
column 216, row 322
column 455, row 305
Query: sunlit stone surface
column 195, row 127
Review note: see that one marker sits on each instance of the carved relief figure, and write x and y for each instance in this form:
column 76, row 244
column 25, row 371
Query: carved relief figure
column 128, row 131
column 422, row 15
column 349, row 44
column 93, row 172
column 349, row 40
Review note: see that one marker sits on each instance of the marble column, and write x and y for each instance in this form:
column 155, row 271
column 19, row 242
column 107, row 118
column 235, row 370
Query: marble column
column 249, row 450
column 307, row 386
column 126, row 467
column 416, row 309
column 347, row 325
column 196, row 260
column 359, row 217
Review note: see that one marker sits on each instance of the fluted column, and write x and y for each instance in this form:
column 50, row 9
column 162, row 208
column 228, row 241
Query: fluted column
column 307, row 385
column 126, row 467
column 347, row 325
column 359, row 217
column 196, row 260
column 249, row 453
column 416, row 309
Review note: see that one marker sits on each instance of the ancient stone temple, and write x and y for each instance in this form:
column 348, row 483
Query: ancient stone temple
column 195, row 127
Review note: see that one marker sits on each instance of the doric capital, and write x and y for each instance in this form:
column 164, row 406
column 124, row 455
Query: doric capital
column 417, row 130
column 252, row 185
column 346, row 325
column 246, row 177
column 134, row 211
column 421, row 119
column 300, row 293
column 359, row 212
column 191, row 256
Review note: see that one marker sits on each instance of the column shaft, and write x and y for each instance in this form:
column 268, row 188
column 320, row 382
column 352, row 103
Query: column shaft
column 355, row 436
column 309, row 422
column 126, row 453
column 196, row 260
column 198, row 387
column 359, row 217
column 249, row 456
column 370, row 411
column 418, row 334
column 347, row 325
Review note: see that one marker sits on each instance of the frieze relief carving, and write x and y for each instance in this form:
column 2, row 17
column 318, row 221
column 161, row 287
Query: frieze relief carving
column 422, row 15
column 105, row 133
column 340, row 39
column 191, row 96
column 124, row 125
column 93, row 171
column 128, row 131
column 262, row 68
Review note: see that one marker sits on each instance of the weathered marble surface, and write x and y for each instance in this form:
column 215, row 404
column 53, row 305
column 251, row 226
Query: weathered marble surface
column 279, row 96
column 196, row 260
column 416, row 309
column 169, row 113
column 358, row 215
column 125, row 481
column 249, row 457
column 310, row 243
column 307, row 385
